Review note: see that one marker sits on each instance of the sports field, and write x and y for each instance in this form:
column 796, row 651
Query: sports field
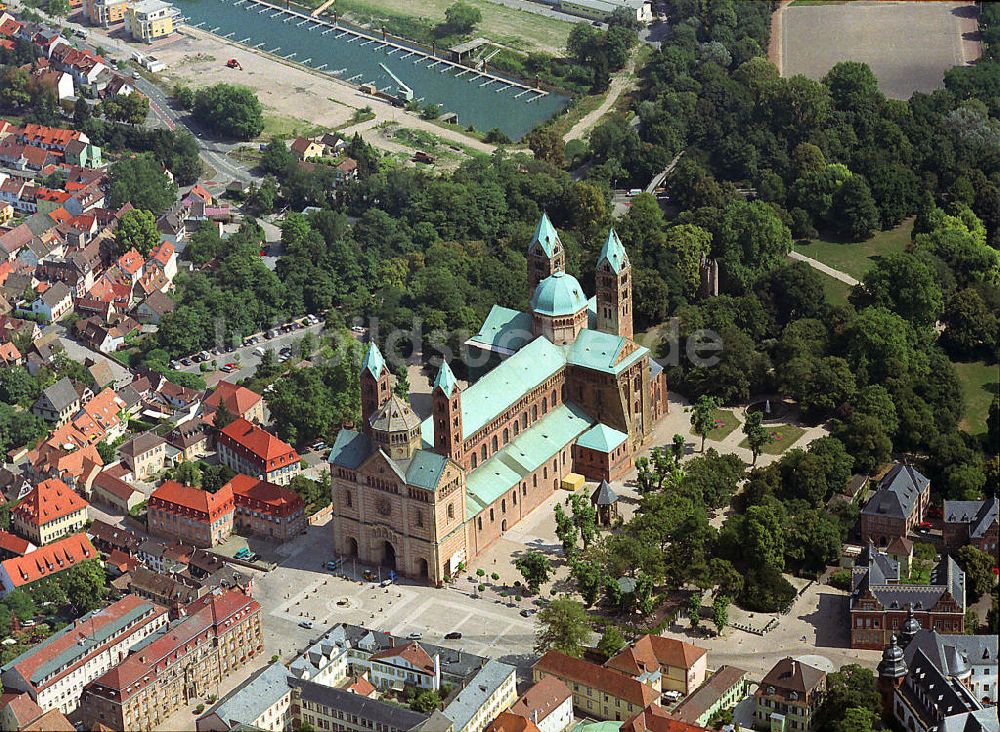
column 908, row 45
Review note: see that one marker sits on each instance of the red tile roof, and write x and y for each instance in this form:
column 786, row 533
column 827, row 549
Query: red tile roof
column 48, row 501
column 172, row 495
column 652, row 651
column 21, row 706
column 510, row 722
column 113, row 485
column 238, row 399
column 131, row 261
column 411, row 652
column 162, row 252
column 48, row 560
column 42, row 135
column 259, row 495
column 543, row 698
column 655, row 718
column 258, row 441
column 14, row 544
column 613, row 682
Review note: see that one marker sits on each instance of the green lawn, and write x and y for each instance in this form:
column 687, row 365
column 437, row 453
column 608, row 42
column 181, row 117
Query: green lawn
column 835, row 290
column 783, row 437
column 725, row 423
column 857, row 258
column 980, row 382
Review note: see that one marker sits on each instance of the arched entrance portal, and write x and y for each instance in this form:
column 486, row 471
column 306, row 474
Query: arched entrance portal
column 388, row 555
column 503, row 525
column 352, row 546
column 422, row 568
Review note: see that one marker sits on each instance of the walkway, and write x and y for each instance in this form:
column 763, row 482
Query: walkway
column 319, row 11
column 825, row 269
column 621, row 81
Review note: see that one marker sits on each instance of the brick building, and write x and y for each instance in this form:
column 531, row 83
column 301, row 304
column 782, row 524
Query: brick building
column 191, row 515
column 971, row 522
column 218, row 634
column 246, row 448
column 267, row 510
column 899, row 503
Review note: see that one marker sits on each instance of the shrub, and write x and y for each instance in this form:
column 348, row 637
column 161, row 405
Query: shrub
column 765, row 590
column 841, row 579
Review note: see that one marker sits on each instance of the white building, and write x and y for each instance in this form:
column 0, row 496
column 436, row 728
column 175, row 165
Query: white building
column 489, row 692
column 264, row 701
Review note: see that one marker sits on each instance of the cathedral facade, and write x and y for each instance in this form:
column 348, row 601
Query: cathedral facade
column 572, row 393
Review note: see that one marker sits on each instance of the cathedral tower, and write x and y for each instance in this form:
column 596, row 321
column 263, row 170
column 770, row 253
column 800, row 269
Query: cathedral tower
column 546, row 255
column 614, row 288
column 376, row 386
column 446, row 403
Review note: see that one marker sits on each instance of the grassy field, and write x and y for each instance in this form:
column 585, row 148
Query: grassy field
column 835, row 290
column 725, row 423
column 980, row 382
column 856, row 259
column 782, row 438
column 276, row 125
column 510, row 26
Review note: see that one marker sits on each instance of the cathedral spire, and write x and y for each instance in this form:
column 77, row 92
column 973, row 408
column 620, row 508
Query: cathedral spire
column 445, row 380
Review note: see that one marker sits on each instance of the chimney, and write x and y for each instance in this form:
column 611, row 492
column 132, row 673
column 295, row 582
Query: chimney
column 534, row 716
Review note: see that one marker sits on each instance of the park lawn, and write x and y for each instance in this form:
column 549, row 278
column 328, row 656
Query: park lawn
column 980, row 381
column 276, row 125
column 784, row 437
column 857, row 258
column 725, row 423
column 836, row 291
column 513, row 27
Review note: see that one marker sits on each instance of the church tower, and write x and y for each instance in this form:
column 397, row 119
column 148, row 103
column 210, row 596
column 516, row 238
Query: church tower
column 545, row 254
column 446, row 403
column 614, row 288
column 376, row 386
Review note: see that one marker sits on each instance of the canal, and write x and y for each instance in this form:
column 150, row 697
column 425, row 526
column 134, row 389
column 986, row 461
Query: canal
column 484, row 101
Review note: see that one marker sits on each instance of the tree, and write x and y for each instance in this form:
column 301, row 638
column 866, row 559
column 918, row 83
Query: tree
column 703, row 415
column 233, row 111
column 213, row 477
column 188, row 473
column 720, row 612
column 137, row 230
column 758, row 436
column 978, row 568
column 547, row 144
column 107, row 451
column 611, row 642
column 920, row 301
column 851, row 688
column 584, row 517
column 276, row 158
column 689, row 245
column 535, row 568
column 589, row 579
column 854, row 211
column 461, row 17
column 81, row 112
column 58, row 8
column 84, row 584
column 969, row 324
column 425, row 701
column 565, row 530
column 140, row 180
column 751, row 239
column 223, row 417
column 564, row 626
column 17, row 386
column 765, row 536
column 694, row 609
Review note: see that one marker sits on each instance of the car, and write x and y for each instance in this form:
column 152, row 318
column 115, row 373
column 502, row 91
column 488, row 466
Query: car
column 28, row 623
column 414, row 636
column 186, row 361
column 924, row 526
column 296, row 326
column 307, row 624
column 244, row 552
column 357, row 329
column 672, row 695
column 135, row 74
column 227, row 369
column 334, row 564
column 259, row 351
column 453, row 635
column 282, row 358
column 527, row 613
column 252, row 557
column 232, row 366
column 385, row 583
column 318, row 445
column 935, row 512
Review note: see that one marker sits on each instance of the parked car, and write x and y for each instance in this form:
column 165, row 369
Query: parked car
column 186, row 361
column 227, row 369
column 307, row 624
column 415, row 636
column 318, row 445
column 453, row 635
column 924, row 526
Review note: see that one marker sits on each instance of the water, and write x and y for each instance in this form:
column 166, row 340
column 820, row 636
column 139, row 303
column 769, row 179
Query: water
column 476, row 100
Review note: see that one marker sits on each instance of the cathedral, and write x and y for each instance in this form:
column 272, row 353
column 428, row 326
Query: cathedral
column 572, row 393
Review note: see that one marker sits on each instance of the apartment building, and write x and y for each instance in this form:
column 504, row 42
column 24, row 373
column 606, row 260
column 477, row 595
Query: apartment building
column 680, row 666
column 788, row 696
column 55, row 671
column 50, row 511
column 187, row 659
column 191, row 515
column 105, row 12
column 598, row 692
column 264, row 702
column 490, row 691
column 237, row 400
column 148, row 20
column 267, row 510
column 246, row 448
column 19, row 572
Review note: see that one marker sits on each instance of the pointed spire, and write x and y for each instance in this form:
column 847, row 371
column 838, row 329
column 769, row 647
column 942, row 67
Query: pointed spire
column 373, row 362
column 613, row 252
column 445, row 380
column 545, row 234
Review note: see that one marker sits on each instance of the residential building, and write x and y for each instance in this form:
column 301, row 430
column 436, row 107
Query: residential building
column 187, row 659
column 264, row 702
column 424, row 496
column 972, row 522
column 105, row 12
column 190, row 439
column 109, row 538
column 896, row 508
column 598, row 692
column 788, row 696
column 84, row 154
column 655, row 718
column 304, row 148
column 49, row 512
column 547, row 704
column 60, row 401
column 154, row 307
column 12, row 545
column 724, row 689
column 490, row 691
column 601, row 10
column 237, row 400
column 665, row 663
column 148, row 20
column 55, row 671
column 330, row 708
column 53, row 304
column 45, row 561
column 268, row 510
column 247, row 448
column 145, row 455
column 17, row 710
column 115, row 493
column 507, row 722
column 970, row 659
column 191, row 515
column 879, row 604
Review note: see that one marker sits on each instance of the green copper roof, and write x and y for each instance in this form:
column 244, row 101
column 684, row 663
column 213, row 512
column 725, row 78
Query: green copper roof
column 349, row 450
column 602, row 438
column 594, row 349
column 445, row 379
column 504, row 331
column 504, row 385
column 425, row 469
column 545, row 235
column 613, row 253
column 558, row 294
column 527, row 452
column 373, row 362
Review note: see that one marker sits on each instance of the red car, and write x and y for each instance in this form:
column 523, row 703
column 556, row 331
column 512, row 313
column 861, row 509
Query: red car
column 935, row 512
column 924, row 526
column 230, row 365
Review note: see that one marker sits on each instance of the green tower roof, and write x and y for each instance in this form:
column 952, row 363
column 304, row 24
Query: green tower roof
column 545, row 234
column 373, row 363
column 613, row 252
column 558, row 294
column 445, row 379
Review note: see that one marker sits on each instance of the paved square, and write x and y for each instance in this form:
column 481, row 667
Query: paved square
column 908, row 45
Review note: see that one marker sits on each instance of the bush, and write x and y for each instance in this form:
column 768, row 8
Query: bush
column 765, row 590
column 841, row 579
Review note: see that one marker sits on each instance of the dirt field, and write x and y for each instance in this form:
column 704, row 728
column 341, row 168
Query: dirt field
column 909, row 45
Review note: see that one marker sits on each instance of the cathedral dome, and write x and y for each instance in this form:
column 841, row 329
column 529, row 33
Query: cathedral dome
column 395, row 416
column 558, row 294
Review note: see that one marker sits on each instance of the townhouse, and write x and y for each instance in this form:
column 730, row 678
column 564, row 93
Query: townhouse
column 55, row 671
column 247, row 448
column 598, row 692
column 548, row 704
column 58, row 402
column 788, row 696
column 54, row 303
column 50, row 511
